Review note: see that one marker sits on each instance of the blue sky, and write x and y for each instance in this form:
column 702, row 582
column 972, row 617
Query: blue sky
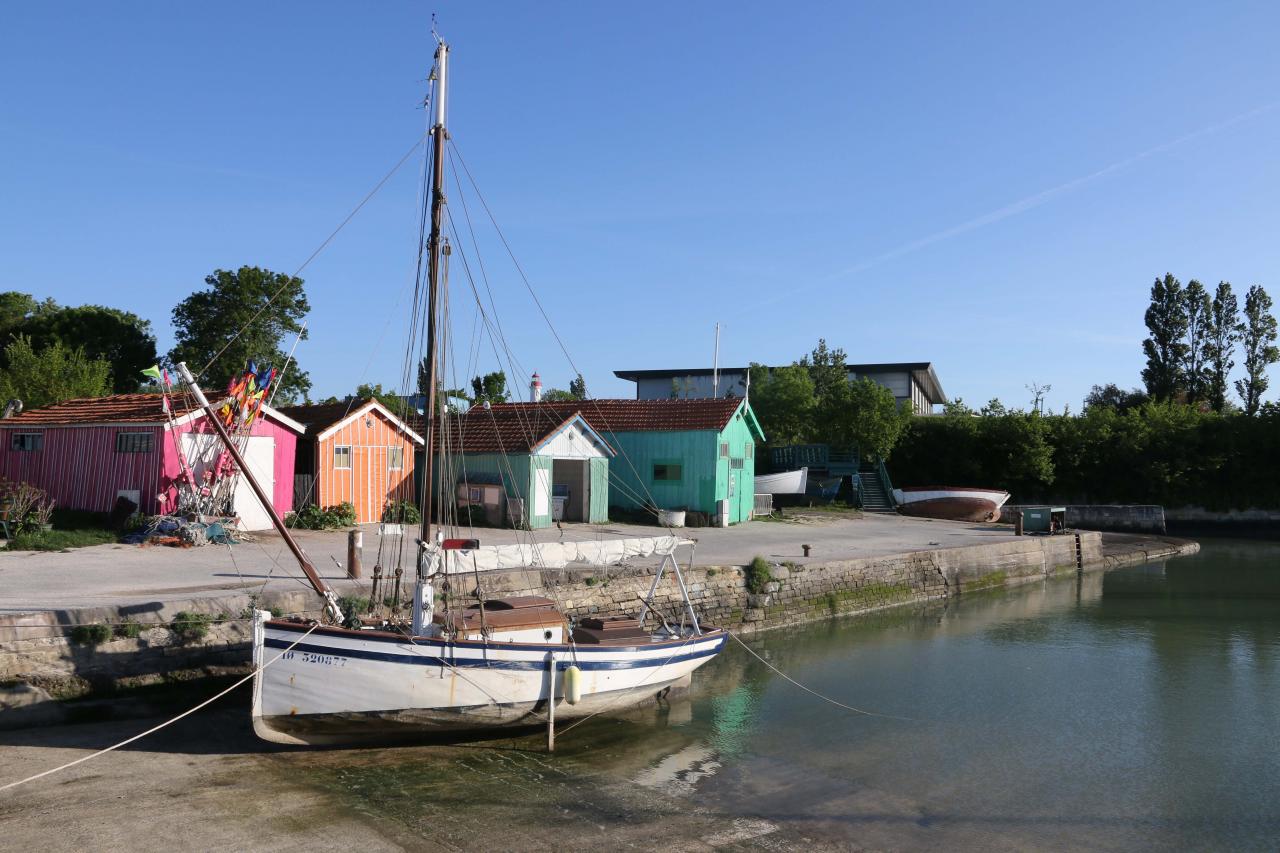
column 988, row 186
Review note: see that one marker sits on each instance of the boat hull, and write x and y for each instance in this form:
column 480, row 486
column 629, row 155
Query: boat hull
column 952, row 504
column 785, row 483
column 337, row 685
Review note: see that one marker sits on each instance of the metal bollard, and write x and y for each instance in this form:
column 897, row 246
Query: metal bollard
column 355, row 544
column 1017, row 523
column 806, row 549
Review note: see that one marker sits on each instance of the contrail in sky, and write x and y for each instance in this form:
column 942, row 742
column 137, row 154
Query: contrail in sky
column 1033, row 201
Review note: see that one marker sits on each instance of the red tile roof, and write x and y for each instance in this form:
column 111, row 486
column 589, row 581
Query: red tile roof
column 501, row 429
column 606, row 416
column 115, row 409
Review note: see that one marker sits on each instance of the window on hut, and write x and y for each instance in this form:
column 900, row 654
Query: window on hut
column 724, row 450
column 133, row 442
column 27, row 441
column 395, row 458
column 667, row 472
column 748, row 450
column 342, row 456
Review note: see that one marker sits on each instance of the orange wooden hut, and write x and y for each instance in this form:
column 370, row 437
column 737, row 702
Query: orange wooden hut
column 358, row 452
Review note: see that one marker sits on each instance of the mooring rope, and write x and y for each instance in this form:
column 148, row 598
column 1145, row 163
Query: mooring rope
column 170, row 722
column 813, row 692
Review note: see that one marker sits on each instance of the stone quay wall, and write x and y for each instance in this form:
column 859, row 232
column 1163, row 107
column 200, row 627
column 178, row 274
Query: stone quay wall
column 40, row 661
column 1120, row 518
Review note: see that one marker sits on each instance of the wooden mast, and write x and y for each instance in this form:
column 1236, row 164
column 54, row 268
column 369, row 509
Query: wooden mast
column 435, row 251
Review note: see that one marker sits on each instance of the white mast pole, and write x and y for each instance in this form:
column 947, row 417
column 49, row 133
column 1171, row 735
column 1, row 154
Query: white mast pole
column 715, row 370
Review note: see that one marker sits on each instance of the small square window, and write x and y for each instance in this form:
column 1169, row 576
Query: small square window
column 667, row 472
column 133, row 442
column 724, row 450
column 748, row 451
column 395, row 458
column 342, row 456
column 27, row 441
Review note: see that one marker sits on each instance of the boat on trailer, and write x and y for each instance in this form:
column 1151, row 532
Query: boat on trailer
column 953, row 503
column 493, row 662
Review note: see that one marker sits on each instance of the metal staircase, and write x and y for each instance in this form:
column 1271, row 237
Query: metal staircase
column 874, row 489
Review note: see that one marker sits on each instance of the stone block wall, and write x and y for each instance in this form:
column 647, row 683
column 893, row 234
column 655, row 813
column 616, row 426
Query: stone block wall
column 37, row 653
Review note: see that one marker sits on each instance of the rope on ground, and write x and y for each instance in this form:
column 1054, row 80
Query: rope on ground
column 816, row 693
column 170, row 722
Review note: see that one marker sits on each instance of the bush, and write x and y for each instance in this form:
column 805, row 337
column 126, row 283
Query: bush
column 90, row 635
column 758, row 575
column 403, row 512
column 353, row 604
column 128, row 630
column 312, row 517
column 190, row 627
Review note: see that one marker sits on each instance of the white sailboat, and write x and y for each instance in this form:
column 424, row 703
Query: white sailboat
column 489, row 663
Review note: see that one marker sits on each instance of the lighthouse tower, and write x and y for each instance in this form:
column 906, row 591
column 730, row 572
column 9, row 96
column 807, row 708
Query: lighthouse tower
column 535, row 389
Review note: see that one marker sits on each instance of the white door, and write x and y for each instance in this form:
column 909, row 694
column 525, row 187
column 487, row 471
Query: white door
column 202, row 452
column 260, row 456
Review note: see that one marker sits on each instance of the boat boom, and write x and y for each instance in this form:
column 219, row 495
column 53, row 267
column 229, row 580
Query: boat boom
column 308, row 568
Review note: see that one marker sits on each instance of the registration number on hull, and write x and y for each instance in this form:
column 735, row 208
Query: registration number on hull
column 312, row 657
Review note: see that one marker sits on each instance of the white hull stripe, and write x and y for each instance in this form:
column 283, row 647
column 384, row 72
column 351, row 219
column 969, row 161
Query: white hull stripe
column 492, row 663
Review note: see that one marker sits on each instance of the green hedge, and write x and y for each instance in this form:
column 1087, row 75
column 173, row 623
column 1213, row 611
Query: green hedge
column 1166, row 454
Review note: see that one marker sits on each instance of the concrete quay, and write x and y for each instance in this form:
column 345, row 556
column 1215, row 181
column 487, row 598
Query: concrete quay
column 856, row 565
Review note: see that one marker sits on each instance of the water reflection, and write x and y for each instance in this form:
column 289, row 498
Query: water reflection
column 1129, row 710
column 1134, row 708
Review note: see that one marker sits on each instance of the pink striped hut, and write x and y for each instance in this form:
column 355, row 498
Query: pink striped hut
column 88, row 452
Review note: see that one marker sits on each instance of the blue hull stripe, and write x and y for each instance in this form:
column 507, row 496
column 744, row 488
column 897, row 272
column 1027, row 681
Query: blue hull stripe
column 435, row 660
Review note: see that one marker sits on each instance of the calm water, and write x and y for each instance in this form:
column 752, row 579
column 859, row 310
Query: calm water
column 1132, row 710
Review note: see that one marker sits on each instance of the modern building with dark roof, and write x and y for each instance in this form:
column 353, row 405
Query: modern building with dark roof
column 672, row 454
column 912, row 382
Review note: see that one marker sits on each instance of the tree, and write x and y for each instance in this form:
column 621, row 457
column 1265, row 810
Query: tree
column 830, row 377
column 222, row 327
column 52, row 374
column 393, row 401
column 1258, row 340
column 783, row 402
column 121, row 338
column 1037, row 395
column 559, row 395
column 1166, row 319
column 578, row 387
column 1112, row 396
column 872, row 419
column 423, row 378
column 491, row 387
column 16, row 308
column 1199, row 312
column 1220, row 341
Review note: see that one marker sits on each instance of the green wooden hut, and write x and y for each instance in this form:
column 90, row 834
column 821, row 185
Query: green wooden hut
column 674, row 454
column 537, row 458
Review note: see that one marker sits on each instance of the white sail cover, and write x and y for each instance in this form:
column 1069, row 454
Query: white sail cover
column 557, row 555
